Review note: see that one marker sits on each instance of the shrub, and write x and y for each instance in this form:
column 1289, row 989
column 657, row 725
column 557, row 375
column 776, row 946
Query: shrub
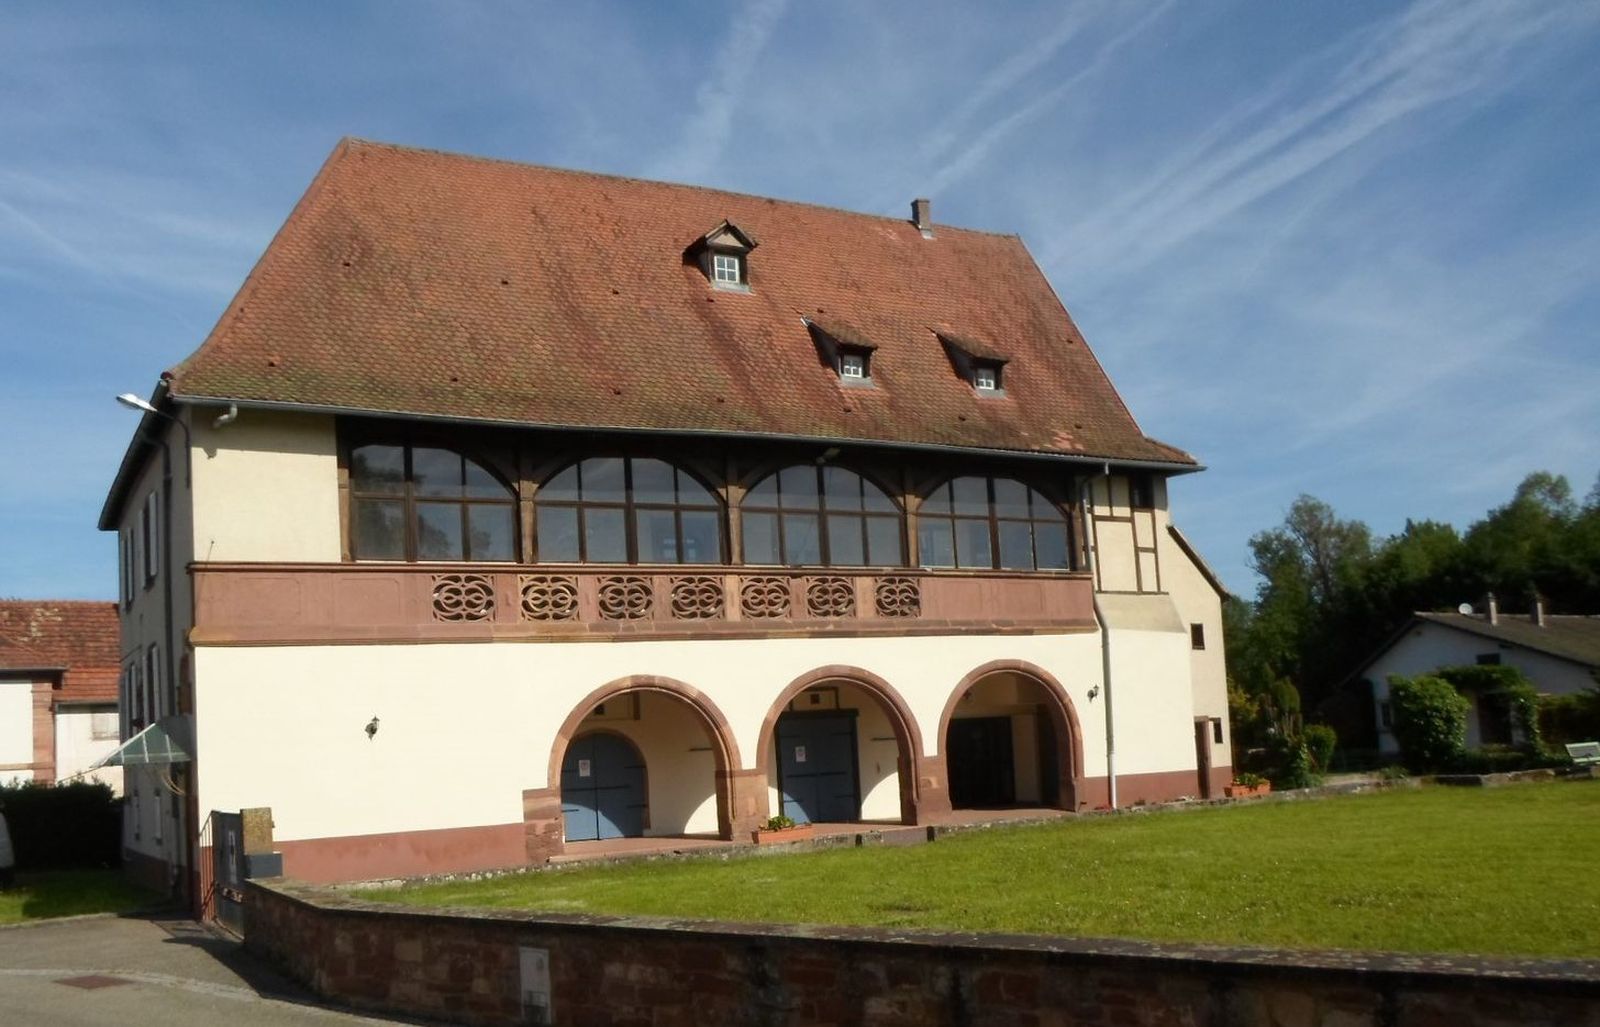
column 779, row 823
column 1320, row 741
column 1430, row 721
column 1570, row 718
column 1290, row 765
column 1505, row 684
column 1393, row 774
column 77, row 824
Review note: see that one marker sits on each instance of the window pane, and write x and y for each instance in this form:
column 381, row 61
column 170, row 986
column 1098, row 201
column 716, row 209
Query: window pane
column 378, row 469
column 842, row 487
column 764, row 494
column 652, row 483
column 972, row 543
column 938, row 500
column 876, row 499
column 604, row 538
column 935, row 546
column 439, row 531
column 602, row 480
column 658, row 536
column 1050, row 545
column 1042, row 507
column 491, row 532
column 798, row 488
column 1016, row 546
column 692, row 493
column 971, row 496
column 1010, row 498
column 845, row 547
column 483, row 485
column 702, row 536
column 435, row 472
column 558, row 534
column 760, row 537
column 377, row 531
column 563, row 486
column 801, row 539
column 883, row 541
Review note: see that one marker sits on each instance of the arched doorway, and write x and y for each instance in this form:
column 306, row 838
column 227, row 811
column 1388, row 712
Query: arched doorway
column 1010, row 738
column 840, row 746
column 644, row 757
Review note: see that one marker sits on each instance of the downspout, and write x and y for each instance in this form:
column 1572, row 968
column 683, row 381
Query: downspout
column 1105, row 632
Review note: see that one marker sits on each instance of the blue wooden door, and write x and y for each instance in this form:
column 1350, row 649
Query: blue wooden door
column 817, row 768
column 602, row 789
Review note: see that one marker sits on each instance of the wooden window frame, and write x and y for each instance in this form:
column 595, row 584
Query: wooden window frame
column 630, row 508
column 822, row 511
column 737, row 260
column 408, row 498
column 995, row 520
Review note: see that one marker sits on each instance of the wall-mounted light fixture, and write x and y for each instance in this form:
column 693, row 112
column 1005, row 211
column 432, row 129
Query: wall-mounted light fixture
column 372, row 728
column 1094, row 692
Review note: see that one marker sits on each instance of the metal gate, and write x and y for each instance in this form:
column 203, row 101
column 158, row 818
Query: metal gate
column 228, row 869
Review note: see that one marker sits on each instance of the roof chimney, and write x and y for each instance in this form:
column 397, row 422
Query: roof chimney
column 1538, row 609
column 922, row 217
column 1494, row 608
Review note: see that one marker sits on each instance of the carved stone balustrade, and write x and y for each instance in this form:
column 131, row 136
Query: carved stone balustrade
column 351, row 602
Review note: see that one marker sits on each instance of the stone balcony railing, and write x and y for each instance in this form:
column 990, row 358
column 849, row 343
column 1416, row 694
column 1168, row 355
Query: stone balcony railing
column 257, row 603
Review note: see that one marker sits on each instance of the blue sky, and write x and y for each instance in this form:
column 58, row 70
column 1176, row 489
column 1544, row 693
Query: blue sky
column 1350, row 249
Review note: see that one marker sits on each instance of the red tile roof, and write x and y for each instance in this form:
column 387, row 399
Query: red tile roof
column 418, row 282
column 81, row 637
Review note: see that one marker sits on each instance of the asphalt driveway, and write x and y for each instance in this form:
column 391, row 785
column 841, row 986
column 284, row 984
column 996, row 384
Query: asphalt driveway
column 117, row 971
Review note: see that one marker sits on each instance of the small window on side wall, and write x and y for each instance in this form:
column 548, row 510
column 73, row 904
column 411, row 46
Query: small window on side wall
column 1197, row 636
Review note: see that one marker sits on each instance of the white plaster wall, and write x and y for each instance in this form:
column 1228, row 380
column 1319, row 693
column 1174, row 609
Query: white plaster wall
column 464, row 728
column 16, row 728
column 1152, row 697
column 266, row 487
column 1427, row 647
column 77, row 749
column 1197, row 602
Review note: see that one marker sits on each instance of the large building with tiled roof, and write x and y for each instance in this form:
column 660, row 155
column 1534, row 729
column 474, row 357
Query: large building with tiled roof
column 58, row 690
column 507, row 511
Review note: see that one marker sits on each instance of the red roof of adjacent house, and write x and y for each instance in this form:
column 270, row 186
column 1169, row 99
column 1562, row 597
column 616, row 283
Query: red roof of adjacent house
column 82, row 638
column 425, row 283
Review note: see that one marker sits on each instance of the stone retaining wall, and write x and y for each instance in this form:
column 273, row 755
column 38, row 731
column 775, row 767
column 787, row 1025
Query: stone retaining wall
column 467, row 966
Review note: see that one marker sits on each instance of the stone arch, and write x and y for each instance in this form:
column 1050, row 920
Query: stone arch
column 908, row 736
column 542, row 820
column 1063, row 718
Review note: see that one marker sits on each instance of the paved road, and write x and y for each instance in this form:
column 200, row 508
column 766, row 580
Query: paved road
column 117, row 972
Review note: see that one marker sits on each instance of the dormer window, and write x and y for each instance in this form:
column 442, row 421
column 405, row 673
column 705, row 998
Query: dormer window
column 723, row 255
column 980, row 363
column 845, row 349
column 727, row 268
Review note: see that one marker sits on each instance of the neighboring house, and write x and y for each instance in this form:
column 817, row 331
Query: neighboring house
column 1559, row 654
column 58, row 690
column 511, row 508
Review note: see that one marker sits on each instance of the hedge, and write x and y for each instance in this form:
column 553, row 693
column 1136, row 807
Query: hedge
column 78, row 824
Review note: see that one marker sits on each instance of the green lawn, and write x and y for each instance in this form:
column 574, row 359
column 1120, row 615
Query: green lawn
column 1511, row 870
column 40, row 896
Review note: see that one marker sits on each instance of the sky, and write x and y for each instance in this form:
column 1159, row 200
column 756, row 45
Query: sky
column 1346, row 249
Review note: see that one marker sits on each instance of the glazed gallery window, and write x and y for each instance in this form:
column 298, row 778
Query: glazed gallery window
column 820, row 516
column 427, row 503
column 627, row 510
column 991, row 523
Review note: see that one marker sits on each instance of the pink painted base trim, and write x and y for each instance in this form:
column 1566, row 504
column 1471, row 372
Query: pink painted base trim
column 404, row 853
column 1165, row 786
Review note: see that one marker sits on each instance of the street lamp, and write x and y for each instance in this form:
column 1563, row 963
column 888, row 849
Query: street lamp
column 133, row 402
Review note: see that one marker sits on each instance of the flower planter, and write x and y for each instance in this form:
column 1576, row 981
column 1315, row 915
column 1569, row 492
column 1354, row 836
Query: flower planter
column 797, row 833
column 1237, row 791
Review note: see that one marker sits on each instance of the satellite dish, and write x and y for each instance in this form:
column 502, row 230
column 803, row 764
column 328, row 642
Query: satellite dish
column 1465, row 608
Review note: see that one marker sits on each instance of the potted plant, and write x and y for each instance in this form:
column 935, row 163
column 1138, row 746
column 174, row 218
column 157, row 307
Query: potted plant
column 1246, row 785
column 781, row 829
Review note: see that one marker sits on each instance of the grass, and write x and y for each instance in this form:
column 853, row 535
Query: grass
column 55, row 893
column 1506, row 871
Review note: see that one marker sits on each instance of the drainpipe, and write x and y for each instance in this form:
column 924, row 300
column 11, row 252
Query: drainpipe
column 1105, row 634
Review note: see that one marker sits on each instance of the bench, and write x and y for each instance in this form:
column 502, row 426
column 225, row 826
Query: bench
column 1584, row 754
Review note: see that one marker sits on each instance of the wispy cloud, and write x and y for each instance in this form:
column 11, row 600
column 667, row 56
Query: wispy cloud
column 717, row 101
